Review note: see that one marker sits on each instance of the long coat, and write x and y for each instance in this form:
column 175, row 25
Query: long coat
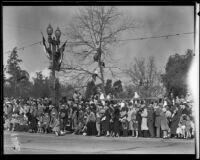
column 139, row 120
column 55, row 124
column 157, row 117
column 46, row 121
column 116, row 123
column 74, row 119
column 106, row 122
column 91, row 124
column 175, row 121
column 164, row 121
column 130, row 118
column 150, row 121
column 144, row 120
column 32, row 121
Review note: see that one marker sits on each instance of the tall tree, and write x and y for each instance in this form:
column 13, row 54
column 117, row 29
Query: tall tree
column 117, row 88
column 108, row 87
column 41, row 86
column 176, row 70
column 17, row 76
column 95, row 29
column 90, row 90
column 145, row 77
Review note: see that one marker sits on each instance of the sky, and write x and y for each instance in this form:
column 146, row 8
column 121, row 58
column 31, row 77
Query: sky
column 22, row 25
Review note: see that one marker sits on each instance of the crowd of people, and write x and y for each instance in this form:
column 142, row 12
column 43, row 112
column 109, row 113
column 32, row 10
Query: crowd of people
column 159, row 118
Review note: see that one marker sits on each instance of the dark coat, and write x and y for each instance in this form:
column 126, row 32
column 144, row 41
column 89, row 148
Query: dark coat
column 91, row 128
column 32, row 121
column 91, row 125
column 175, row 121
column 139, row 118
column 150, row 117
column 185, row 111
column 116, row 122
column 106, row 122
column 150, row 121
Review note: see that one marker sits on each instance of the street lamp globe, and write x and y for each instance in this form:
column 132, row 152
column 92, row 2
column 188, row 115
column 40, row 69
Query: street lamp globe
column 49, row 30
column 57, row 33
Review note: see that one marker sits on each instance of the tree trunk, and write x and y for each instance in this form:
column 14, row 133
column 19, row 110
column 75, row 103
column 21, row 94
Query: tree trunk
column 101, row 71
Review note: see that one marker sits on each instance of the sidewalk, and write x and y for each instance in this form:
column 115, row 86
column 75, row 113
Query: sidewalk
column 72, row 136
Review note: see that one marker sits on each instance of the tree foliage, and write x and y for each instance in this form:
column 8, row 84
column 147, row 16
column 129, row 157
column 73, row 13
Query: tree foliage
column 90, row 90
column 117, row 88
column 175, row 77
column 108, row 87
column 95, row 28
column 41, row 86
column 18, row 79
column 19, row 85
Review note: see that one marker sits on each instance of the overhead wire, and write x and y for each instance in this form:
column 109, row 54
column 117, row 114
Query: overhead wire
column 132, row 39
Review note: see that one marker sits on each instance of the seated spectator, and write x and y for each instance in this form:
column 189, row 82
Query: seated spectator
column 46, row 122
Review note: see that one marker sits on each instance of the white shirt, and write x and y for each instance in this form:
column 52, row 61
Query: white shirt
column 101, row 96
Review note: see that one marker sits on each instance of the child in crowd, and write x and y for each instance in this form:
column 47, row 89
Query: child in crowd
column 179, row 131
column 40, row 124
column 183, row 122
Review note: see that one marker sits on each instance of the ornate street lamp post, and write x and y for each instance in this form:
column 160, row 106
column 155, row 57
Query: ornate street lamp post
column 55, row 57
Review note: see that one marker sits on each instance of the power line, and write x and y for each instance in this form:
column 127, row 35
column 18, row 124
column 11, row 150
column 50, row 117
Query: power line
column 22, row 48
column 141, row 38
column 151, row 37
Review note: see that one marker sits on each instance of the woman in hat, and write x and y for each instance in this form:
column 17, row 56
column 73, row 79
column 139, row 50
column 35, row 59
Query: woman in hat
column 124, row 122
column 164, row 122
column 32, row 120
column 129, row 118
column 116, row 123
column 106, row 121
column 139, row 119
column 144, row 126
column 91, row 123
column 174, row 120
column 74, row 117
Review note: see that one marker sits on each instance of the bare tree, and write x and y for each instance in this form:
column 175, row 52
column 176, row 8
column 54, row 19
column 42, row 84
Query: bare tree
column 94, row 29
column 145, row 78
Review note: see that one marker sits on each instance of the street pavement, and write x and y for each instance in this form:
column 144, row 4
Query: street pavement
column 35, row 143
